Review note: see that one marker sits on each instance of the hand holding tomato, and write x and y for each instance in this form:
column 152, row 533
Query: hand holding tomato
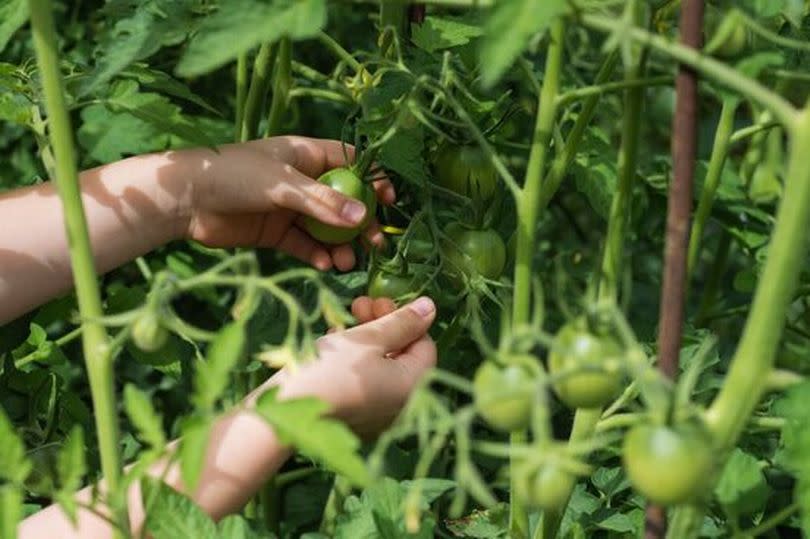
column 263, row 194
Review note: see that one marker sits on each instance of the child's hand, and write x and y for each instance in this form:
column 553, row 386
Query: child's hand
column 367, row 372
column 255, row 194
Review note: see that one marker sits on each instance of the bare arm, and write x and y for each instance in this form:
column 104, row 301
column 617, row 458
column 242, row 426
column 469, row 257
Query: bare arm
column 250, row 194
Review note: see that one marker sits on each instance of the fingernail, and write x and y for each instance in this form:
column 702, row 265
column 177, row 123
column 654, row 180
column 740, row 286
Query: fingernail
column 353, row 211
column 423, row 306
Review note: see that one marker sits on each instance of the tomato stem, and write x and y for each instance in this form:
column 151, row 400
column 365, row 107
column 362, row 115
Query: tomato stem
column 722, row 138
column 259, row 81
column 95, row 341
column 241, row 95
column 282, row 83
column 726, row 75
column 528, row 207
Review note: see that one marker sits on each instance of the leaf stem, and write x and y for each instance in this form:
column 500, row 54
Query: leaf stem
column 259, row 81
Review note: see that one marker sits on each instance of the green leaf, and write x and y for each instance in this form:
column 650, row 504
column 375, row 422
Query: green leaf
column 11, row 510
column 161, row 82
column 404, row 154
column 170, row 515
column 14, row 465
column 213, row 375
column 155, row 110
column 488, row 524
column 15, row 104
column 107, row 136
column 153, row 25
column 240, row 25
column 509, row 28
column 742, row 488
column 193, row 447
column 13, row 14
column 143, row 416
column 443, row 33
column 302, row 423
column 236, row 527
column 70, row 463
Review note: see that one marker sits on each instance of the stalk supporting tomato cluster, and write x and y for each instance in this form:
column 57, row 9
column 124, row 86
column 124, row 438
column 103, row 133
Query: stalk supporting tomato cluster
column 95, row 341
column 528, row 210
column 756, row 352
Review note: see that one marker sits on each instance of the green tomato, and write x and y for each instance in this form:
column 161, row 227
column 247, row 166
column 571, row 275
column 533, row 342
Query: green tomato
column 577, row 357
column 504, row 396
column 473, row 252
column 385, row 284
column 545, row 489
column 466, row 170
column 147, row 332
column 344, row 181
column 730, row 38
column 669, row 465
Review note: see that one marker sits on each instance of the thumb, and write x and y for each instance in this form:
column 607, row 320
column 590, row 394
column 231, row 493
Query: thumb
column 397, row 330
column 315, row 199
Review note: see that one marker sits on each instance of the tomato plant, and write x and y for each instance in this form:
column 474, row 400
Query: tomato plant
column 344, row 181
column 580, row 133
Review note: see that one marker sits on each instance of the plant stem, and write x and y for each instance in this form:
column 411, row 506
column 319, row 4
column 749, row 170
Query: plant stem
column 95, row 340
column 714, row 279
column 563, row 159
column 600, row 90
column 722, row 138
column 259, row 81
column 621, row 205
column 282, row 82
column 711, row 68
column 753, row 360
column 241, row 95
column 341, row 53
column 528, row 206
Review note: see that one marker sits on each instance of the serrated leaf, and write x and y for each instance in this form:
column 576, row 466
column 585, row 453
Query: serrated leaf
column 742, row 488
column 170, row 515
column 165, row 84
column 489, row 524
column 240, row 25
column 213, row 376
column 14, row 465
column 153, row 25
column 236, row 527
column 156, row 110
column 147, row 422
column 303, row 424
column 404, row 154
column 438, row 33
column 107, row 136
column 193, row 446
column 70, row 463
column 13, row 14
column 511, row 25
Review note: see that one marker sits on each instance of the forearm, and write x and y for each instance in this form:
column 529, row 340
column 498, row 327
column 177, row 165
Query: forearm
column 132, row 207
column 243, row 453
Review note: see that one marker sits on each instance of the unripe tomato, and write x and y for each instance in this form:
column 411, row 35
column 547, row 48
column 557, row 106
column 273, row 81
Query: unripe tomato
column 504, row 396
column 344, row 181
column 669, row 465
column 466, row 170
column 577, row 362
column 730, row 38
column 147, row 332
column 474, row 252
column 546, row 488
column 385, row 284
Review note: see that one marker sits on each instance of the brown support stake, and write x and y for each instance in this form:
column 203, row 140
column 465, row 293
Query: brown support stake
column 684, row 149
column 416, row 13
